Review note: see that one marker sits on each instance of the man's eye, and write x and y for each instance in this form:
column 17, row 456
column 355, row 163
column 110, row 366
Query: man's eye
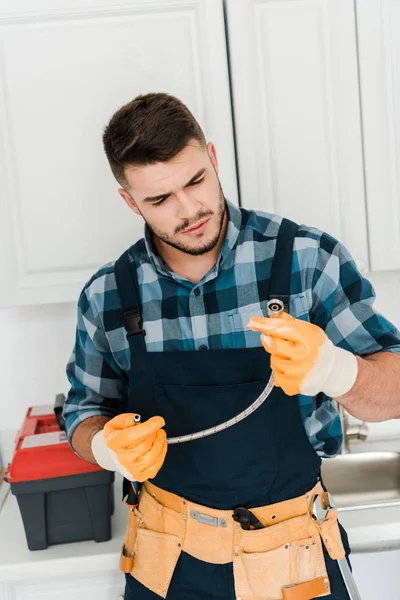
column 159, row 202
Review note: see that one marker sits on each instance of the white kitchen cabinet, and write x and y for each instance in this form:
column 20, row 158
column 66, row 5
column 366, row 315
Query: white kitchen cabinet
column 77, row 571
column 379, row 56
column 66, row 66
column 297, row 113
column 376, row 574
column 96, row 586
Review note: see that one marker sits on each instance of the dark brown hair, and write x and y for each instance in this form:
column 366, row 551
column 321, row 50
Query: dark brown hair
column 151, row 128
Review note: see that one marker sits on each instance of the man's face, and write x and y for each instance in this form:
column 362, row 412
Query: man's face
column 181, row 200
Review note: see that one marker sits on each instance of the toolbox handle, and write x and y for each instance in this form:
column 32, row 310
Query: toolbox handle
column 58, row 409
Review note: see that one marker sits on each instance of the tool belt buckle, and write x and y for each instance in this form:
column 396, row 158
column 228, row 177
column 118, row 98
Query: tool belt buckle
column 320, row 510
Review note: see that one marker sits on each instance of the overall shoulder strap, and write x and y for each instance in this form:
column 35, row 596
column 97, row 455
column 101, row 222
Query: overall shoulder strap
column 282, row 263
column 128, row 289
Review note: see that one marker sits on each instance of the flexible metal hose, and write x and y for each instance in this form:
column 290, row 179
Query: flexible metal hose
column 250, row 409
column 274, row 307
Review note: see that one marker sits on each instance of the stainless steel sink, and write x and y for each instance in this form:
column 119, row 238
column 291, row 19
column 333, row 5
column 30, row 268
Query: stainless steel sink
column 365, row 479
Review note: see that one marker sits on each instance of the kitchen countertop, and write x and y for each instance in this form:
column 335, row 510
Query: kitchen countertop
column 372, row 530
column 369, row 530
column 18, row 562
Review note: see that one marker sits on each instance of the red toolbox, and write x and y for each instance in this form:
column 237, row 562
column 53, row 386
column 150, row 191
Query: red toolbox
column 61, row 497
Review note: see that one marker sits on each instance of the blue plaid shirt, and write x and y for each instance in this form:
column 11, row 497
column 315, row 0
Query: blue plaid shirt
column 326, row 289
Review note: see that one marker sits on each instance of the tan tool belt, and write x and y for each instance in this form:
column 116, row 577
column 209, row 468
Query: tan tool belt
column 282, row 561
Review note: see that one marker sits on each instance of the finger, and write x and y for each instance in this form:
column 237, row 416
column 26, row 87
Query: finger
column 133, row 453
column 131, row 436
column 146, row 460
column 127, row 420
column 289, row 368
column 291, row 388
column 126, row 440
column 276, row 381
column 152, row 470
column 135, row 462
column 277, row 329
column 265, row 324
column 147, row 467
column 288, row 349
column 151, row 473
column 276, row 366
column 121, row 421
column 152, row 425
column 266, row 342
column 132, row 459
column 284, row 327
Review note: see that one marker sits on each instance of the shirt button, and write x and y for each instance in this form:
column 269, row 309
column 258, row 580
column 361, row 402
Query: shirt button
column 203, row 347
column 197, row 292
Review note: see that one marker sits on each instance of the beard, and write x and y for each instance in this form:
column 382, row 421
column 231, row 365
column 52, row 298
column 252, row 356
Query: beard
column 201, row 248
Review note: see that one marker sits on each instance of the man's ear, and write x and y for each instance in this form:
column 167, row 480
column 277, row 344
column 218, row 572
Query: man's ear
column 212, row 153
column 129, row 200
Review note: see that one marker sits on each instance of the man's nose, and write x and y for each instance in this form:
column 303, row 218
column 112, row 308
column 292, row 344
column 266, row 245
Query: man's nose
column 188, row 207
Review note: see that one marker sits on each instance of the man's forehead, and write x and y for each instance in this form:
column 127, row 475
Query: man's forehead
column 177, row 171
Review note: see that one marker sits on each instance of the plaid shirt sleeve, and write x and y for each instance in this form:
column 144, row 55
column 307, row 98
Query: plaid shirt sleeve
column 98, row 385
column 343, row 303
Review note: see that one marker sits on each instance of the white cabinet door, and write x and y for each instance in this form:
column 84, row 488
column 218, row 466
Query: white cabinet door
column 7, row 591
column 297, row 114
column 65, row 67
column 379, row 55
column 377, row 575
column 94, row 586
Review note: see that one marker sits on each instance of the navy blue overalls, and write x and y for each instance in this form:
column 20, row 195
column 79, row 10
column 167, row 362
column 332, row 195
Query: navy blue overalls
column 266, row 458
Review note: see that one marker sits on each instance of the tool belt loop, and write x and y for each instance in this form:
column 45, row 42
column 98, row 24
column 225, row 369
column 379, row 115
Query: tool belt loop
column 325, row 517
column 127, row 551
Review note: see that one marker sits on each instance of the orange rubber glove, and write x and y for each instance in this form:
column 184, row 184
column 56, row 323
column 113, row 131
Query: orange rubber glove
column 303, row 358
column 137, row 450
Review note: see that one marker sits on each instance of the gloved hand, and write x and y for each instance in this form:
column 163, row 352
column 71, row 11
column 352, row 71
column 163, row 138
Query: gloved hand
column 303, row 358
column 137, row 450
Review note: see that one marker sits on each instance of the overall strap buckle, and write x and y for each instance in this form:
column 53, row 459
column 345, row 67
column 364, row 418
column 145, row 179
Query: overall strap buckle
column 132, row 320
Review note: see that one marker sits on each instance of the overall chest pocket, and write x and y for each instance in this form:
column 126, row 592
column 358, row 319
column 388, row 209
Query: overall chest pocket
column 235, row 459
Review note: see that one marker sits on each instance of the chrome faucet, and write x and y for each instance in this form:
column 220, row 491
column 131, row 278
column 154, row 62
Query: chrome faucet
column 357, row 431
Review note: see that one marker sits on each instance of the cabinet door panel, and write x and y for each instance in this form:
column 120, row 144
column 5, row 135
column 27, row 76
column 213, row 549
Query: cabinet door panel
column 95, row 587
column 7, row 591
column 64, row 70
column 379, row 52
column 297, row 115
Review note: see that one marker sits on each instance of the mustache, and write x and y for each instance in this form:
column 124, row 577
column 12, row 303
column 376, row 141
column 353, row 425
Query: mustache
column 186, row 224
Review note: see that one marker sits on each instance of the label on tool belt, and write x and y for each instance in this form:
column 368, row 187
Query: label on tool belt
column 44, row 439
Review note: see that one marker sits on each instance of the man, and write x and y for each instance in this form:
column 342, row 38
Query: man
column 192, row 297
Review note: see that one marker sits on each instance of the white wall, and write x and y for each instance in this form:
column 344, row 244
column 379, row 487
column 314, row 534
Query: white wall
column 35, row 344
column 387, row 290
